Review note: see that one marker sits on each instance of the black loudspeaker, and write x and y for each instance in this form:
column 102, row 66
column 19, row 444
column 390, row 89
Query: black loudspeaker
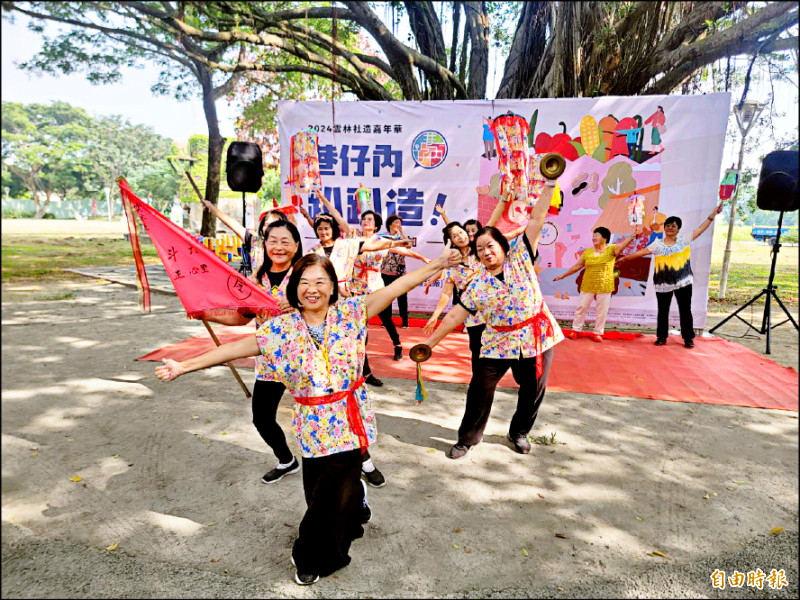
column 244, row 167
column 777, row 184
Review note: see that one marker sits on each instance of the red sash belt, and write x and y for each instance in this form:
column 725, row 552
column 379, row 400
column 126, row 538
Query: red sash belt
column 536, row 320
column 353, row 412
column 363, row 270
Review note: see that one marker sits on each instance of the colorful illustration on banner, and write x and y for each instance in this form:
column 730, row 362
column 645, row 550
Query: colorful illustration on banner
column 304, row 170
column 429, row 149
column 635, row 210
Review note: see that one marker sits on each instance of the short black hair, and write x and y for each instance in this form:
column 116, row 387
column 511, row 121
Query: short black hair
column 328, row 218
column 473, row 222
column 391, row 219
column 265, row 215
column 676, row 220
column 376, row 216
column 309, row 260
column 495, row 234
column 604, row 232
column 448, row 228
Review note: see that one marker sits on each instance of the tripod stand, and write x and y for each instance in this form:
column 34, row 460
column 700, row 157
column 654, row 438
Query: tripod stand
column 770, row 292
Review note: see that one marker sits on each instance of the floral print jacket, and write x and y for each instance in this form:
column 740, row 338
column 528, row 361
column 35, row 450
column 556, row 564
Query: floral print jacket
column 518, row 322
column 295, row 359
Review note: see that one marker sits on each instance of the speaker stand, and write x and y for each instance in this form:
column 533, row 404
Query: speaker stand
column 770, row 292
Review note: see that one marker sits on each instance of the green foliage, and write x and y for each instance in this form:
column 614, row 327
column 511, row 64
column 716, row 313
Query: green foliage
column 59, row 149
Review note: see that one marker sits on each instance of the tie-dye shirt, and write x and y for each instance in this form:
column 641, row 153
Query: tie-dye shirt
column 512, row 302
column 673, row 269
column 294, row 359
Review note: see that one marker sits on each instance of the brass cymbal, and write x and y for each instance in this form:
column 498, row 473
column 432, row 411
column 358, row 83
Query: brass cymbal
column 420, row 353
column 552, row 165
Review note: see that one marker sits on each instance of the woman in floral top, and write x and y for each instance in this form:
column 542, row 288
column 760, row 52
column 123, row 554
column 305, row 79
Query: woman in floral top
column 317, row 353
column 520, row 331
column 272, row 263
column 343, row 251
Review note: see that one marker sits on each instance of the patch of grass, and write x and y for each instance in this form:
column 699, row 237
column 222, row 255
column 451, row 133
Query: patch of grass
column 545, row 440
column 47, row 258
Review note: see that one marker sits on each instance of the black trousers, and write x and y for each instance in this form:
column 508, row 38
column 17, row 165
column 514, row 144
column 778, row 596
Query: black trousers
column 684, row 298
column 475, row 332
column 334, row 496
column 266, row 397
column 480, row 395
column 402, row 301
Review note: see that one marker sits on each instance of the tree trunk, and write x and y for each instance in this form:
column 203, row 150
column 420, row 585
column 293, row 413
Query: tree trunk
column 215, row 144
column 526, row 50
column 478, row 20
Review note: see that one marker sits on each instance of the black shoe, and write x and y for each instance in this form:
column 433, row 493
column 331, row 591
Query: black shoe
column 398, row 353
column 404, row 325
column 458, row 451
column 661, row 341
column 375, row 478
column 366, row 511
column 689, row 343
column 304, row 578
column 279, row 473
column 372, row 380
column 521, row 443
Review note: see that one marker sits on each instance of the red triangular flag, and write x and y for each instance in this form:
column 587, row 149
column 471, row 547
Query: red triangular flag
column 202, row 280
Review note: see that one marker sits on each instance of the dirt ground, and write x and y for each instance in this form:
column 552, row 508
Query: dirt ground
column 170, row 479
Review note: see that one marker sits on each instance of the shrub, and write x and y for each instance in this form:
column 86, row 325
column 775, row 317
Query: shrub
column 18, row 213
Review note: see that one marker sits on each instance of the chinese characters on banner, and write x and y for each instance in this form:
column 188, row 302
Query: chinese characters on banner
column 202, row 281
column 412, row 156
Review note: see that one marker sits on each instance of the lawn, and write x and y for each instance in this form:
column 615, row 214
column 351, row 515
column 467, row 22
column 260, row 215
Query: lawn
column 749, row 269
column 43, row 249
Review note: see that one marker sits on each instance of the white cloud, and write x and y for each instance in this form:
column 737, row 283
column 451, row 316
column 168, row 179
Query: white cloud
column 654, row 166
column 585, row 211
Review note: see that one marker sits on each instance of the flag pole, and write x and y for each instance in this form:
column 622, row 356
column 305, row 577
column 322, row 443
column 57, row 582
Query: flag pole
column 230, row 365
column 208, row 327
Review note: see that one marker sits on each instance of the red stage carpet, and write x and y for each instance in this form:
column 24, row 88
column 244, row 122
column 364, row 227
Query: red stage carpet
column 715, row 371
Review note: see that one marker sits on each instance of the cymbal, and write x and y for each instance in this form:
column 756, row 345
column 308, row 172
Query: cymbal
column 420, row 353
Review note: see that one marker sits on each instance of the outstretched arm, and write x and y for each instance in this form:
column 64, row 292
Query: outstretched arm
column 230, row 222
column 573, row 269
column 515, row 233
column 334, row 213
column 440, row 209
column 172, row 369
column 453, row 319
column 384, row 244
column 447, row 293
column 536, row 222
column 307, row 216
column 642, row 252
column 410, row 253
column 707, row 223
column 497, row 212
column 619, row 247
column 380, row 299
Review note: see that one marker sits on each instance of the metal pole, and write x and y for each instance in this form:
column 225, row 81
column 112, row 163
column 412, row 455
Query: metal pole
column 726, row 258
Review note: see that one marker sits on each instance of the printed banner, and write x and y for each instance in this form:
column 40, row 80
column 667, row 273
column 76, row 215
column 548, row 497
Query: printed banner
column 202, row 280
column 630, row 161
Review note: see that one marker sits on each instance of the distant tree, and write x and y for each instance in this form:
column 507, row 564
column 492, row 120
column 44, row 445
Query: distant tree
column 105, row 36
column 46, row 147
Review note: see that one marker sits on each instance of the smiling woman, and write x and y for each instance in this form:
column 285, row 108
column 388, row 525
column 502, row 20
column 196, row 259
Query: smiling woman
column 317, row 352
